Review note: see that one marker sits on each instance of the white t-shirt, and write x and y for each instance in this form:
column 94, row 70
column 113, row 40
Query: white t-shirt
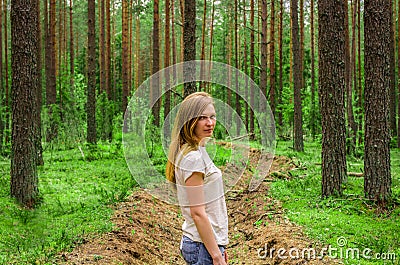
column 215, row 206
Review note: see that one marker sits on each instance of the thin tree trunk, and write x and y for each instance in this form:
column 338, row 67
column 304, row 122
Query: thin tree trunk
column 331, row 47
column 24, row 178
column 7, row 103
column 360, row 103
column 2, row 125
column 313, row 105
column 155, row 87
column 264, row 48
column 392, row 89
column 236, row 45
column 351, row 124
column 91, row 75
column 211, row 42
column 398, row 68
column 203, row 45
column 246, row 70
column 280, row 115
column 137, row 49
column 38, row 121
column 272, row 76
column 174, row 51
column 71, row 53
column 167, row 59
column 298, row 120
column 125, row 55
column 252, row 44
column 354, row 64
column 377, row 36
column 102, row 59
column 302, row 43
column 108, row 51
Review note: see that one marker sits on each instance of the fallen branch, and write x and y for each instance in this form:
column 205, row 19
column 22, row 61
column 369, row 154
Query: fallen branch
column 355, row 174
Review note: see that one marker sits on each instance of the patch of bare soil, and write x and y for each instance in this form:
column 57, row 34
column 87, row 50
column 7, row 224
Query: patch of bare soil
column 148, row 231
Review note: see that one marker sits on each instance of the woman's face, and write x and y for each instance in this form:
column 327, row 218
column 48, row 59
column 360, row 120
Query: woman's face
column 206, row 123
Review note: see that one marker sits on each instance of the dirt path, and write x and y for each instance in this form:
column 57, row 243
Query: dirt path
column 148, row 231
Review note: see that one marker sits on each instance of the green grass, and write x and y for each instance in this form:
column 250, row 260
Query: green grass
column 351, row 216
column 76, row 195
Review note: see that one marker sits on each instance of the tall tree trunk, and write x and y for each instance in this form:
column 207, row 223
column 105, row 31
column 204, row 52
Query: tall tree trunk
column 272, row 77
column 155, row 87
column 280, row 44
column 236, row 45
column 351, row 124
column 354, row 65
column 297, row 76
column 102, row 59
column 137, row 49
column 264, row 48
column 125, row 55
column 108, row 51
column 189, row 46
column 7, row 101
column 203, row 45
column 38, row 96
column 302, row 43
column 313, row 105
column 91, row 74
column 398, row 70
column 51, row 74
column 71, row 53
column 211, row 42
column 331, row 40
column 252, row 44
column 360, row 88
column 377, row 36
column 24, row 178
column 2, row 109
column 174, row 51
column 392, row 89
column 246, row 70
column 167, row 59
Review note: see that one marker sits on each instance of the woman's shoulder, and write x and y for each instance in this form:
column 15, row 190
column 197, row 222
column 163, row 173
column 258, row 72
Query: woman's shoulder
column 190, row 160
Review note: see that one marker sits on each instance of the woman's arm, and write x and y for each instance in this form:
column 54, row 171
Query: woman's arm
column 195, row 194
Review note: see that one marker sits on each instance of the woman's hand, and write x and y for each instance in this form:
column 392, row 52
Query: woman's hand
column 220, row 261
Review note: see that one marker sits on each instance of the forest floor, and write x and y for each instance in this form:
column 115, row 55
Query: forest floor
column 148, row 231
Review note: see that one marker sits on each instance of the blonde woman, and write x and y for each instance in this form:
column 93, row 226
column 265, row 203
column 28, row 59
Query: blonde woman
column 199, row 183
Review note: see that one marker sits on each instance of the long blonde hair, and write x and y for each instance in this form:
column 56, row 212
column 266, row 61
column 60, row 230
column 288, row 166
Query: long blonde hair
column 182, row 136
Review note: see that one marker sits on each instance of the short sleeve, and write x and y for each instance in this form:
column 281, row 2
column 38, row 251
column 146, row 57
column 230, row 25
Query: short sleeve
column 190, row 163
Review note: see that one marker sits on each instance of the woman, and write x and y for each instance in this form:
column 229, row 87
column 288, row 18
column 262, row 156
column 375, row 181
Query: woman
column 199, row 183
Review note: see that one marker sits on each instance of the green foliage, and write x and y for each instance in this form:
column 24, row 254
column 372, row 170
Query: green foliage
column 350, row 216
column 76, row 197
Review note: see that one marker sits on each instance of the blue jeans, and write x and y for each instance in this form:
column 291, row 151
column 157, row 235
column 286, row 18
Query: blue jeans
column 195, row 253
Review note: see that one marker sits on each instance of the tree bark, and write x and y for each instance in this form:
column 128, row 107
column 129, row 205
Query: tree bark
column 313, row 105
column 351, row 124
column 377, row 36
column 155, row 86
column 91, row 74
column 38, row 96
column 125, row 55
column 252, row 44
column 272, row 88
column 189, row 46
column 331, row 39
column 297, row 76
column 280, row 44
column 24, row 41
column 392, row 89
